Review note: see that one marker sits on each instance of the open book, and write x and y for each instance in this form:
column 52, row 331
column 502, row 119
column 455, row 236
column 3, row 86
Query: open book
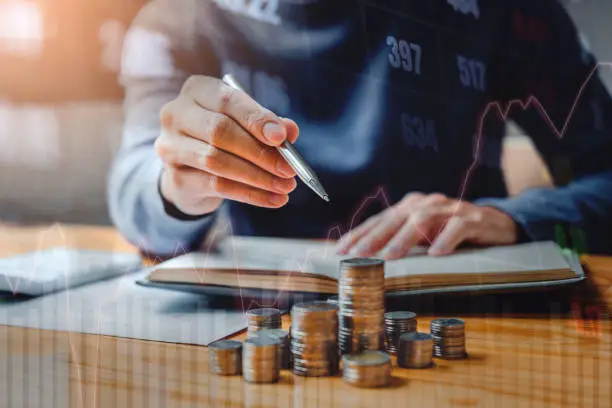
column 312, row 266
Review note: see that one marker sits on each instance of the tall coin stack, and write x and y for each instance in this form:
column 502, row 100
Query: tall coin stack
column 361, row 305
column 396, row 324
column 225, row 357
column 449, row 338
column 285, row 347
column 260, row 359
column 314, row 339
column 264, row 318
column 367, row 369
column 415, row 350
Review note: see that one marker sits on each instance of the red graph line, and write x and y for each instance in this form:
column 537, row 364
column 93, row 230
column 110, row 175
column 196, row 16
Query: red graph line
column 531, row 101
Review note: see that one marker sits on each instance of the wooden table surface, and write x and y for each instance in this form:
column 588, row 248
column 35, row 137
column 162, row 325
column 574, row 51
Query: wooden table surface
column 552, row 360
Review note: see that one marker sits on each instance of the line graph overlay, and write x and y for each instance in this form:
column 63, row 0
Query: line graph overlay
column 531, row 101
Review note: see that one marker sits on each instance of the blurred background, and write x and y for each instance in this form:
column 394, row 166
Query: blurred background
column 61, row 106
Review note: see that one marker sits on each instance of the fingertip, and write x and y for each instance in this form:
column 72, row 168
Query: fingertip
column 274, row 133
column 278, row 200
column 436, row 251
column 294, row 184
column 342, row 246
column 391, row 252
column 387, row 256
column 292, row 129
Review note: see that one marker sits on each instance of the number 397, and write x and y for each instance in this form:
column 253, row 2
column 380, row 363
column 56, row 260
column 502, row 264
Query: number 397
column 404, row 55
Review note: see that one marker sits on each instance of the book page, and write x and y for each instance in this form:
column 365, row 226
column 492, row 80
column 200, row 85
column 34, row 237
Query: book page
column 528, row 257
column 319, row 257
column 242, row 258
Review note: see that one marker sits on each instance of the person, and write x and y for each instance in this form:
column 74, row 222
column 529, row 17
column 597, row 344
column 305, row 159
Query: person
column 400, row 108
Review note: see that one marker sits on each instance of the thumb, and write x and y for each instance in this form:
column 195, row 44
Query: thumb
column 292, row 129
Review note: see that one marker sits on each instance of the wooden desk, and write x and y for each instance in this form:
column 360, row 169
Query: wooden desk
column 534, row 362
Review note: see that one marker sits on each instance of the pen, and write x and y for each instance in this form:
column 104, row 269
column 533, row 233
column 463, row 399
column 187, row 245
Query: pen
column 291, row 156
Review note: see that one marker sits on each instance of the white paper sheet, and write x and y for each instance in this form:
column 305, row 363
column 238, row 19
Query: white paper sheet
column 121, row 308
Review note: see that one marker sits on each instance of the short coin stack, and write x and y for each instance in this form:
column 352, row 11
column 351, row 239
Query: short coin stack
column 449, row 338
column 285, row 347
column 396, row 324
column 260, row 359
column 314, row 339
column 367, row 369
column 415, row 350
column 361, row 305
column 225, row 357
column 264, row 318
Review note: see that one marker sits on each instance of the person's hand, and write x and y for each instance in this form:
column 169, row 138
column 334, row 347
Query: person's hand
column 218, row 143
column 435, row 220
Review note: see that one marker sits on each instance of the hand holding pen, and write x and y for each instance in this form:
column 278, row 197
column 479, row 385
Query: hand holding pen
column 293, row 158
column 218, row 143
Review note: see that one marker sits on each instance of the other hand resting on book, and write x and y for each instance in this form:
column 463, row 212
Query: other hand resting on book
column 432, row 219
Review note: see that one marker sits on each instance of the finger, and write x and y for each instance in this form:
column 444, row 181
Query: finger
column 348, row 240
column 224, row 133
column 243, row 193
column 417, row 230
column 179, row 150
column 293, row 131
column 195, row 186
column 457, row 230
column 409, row 235
column 214, row 95
column 380, row 234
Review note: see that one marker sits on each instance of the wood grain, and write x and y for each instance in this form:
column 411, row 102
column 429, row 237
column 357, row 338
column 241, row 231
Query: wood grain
column 553, row 361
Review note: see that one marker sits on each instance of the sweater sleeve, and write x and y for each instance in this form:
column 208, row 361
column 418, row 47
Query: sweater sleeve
column 161, row 50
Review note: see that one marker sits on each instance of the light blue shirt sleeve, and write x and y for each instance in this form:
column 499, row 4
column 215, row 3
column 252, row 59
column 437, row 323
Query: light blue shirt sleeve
column 136, row 206
column 151, row 78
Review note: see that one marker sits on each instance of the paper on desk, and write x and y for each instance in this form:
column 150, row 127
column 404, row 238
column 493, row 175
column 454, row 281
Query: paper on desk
column 121, row 308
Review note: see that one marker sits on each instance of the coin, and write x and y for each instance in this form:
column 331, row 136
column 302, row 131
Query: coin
column 448, row 336
column 263, row 318
column 367, row 369
column 396, row 324
column 260, row 359
column 361, row 305
column 415, row 350
column 225, row 357
column 447, row 326
column 284, row 350
column 314, row 339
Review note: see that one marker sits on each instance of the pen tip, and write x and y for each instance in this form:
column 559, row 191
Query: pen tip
column 326, row 198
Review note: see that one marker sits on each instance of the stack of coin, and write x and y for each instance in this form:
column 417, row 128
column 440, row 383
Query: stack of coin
column 260, row 359
column 314, row 339
column 225, row 357
column 449, row 338
column 415, row 350
column 367, row 369
column 361, row 305
column 396, row 324
column 285, row 347
column 264, row 318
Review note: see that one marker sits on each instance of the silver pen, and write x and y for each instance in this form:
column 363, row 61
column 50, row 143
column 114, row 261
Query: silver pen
column 291, row 156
